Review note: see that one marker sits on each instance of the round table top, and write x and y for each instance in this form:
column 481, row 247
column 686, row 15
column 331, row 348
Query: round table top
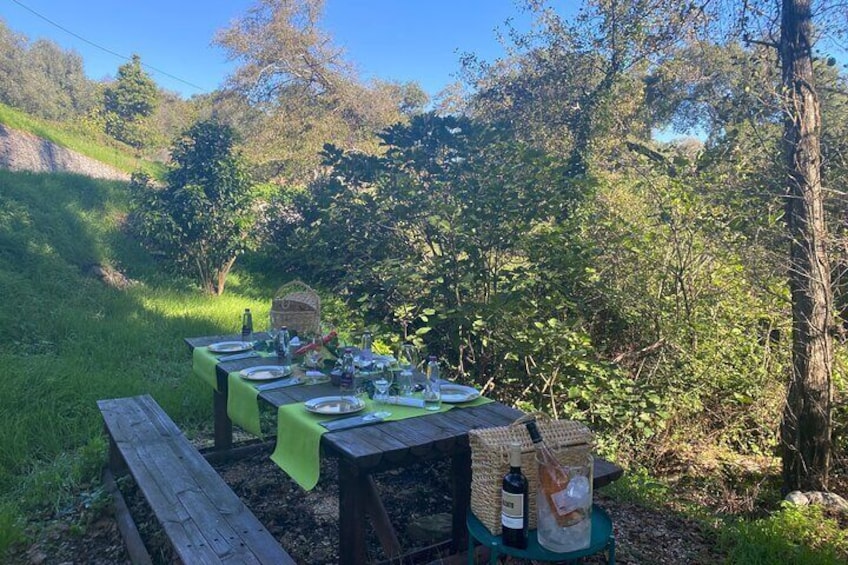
column 600, row 537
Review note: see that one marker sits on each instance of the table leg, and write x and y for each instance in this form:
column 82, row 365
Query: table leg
column 380, row 520
column 223, row 424
column 352, row 487
column 461, row 495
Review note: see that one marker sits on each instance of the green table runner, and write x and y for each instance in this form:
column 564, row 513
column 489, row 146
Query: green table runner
column 299, row 435
column 203, row 364
column 243, row 403
column 243, row 400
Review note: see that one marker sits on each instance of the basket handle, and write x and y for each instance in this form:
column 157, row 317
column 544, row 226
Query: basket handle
column 528, row 417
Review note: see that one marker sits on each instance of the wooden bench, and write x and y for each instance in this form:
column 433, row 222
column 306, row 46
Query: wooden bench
column 204, row 519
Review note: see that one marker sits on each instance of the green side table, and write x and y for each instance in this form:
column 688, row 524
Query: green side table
column 602, row 540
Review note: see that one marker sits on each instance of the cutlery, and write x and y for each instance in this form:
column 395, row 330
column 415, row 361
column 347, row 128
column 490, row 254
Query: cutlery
column 355, row 421
column 278, row 384
column 238, row 356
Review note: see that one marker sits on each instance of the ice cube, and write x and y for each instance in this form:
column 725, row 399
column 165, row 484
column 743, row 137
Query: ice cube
column 579, row 491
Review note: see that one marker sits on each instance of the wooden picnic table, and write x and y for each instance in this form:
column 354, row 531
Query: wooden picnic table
column 363, row 451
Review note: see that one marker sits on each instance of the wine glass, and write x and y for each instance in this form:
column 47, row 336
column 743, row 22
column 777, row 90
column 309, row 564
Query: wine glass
column 272, row 332
column 383, row 384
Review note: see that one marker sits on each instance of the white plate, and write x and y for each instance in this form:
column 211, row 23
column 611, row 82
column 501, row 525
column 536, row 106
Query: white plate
column 230, row 347
column 457, row 394
column 335, row 405
column 266, row 372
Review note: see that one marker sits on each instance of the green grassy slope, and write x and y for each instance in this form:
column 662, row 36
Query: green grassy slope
column 66, row 339
column 104, row 149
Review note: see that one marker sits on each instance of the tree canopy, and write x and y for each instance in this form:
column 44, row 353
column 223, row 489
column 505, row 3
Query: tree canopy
column 202, row 219
column 131, row 99
column 294, row 90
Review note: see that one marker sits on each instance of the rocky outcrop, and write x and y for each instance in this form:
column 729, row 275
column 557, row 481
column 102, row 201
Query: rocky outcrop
column 21, row 151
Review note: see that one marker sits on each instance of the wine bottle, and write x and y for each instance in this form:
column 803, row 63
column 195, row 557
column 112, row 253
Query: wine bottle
column 553, row 481
column 514, row 506
column 246, row 325
column 281, row 345
column 348, row 372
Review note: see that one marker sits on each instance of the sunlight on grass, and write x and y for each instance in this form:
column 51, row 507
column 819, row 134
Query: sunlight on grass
column 792, row 536
column 69, row 340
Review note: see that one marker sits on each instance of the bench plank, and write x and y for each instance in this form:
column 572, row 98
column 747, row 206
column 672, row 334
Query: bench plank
column 205, row 520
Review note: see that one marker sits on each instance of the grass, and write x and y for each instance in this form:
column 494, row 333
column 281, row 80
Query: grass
column 104, row 149
column 67, row 340
column 791, row 536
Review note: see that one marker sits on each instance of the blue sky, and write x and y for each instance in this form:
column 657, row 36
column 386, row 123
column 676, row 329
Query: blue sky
column 390, row 39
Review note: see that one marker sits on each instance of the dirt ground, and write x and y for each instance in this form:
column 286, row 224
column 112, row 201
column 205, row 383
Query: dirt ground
column 306, row 523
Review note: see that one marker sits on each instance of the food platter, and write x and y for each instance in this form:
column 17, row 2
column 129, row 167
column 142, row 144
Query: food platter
column 334, row 405
column 265, row 372
column 230, row 347
column 457, row 394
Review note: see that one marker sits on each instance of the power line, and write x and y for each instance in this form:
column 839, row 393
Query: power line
column 107, row 50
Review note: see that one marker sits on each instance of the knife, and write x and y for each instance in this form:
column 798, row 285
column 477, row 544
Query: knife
column 238, row 356
column 278, row 384
column 352, row 422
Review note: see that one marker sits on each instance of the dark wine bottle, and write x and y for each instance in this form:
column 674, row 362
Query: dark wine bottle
column 514, row 507
column 246, row 325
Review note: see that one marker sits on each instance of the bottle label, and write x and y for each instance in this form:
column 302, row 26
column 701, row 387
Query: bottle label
column 563, row 503
column 512, row 510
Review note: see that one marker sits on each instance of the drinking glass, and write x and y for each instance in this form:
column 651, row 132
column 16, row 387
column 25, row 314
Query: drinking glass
column 365, row 353
column 313, row 356
column 407, row 361
column 382, row 385
column 272, row 332
column 408, row 356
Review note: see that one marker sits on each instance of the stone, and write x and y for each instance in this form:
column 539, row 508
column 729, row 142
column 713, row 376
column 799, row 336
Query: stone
column 430, row 529
column 827, row 499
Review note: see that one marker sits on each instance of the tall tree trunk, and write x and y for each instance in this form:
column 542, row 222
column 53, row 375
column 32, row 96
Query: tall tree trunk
column 806, row 426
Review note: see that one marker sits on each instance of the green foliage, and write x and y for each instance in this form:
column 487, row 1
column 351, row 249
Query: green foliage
column 793, row 535
column 11, row 525
column 133, row 98
column 203, row 218
column 42, row 79
column 83, row 140
column 294, row 91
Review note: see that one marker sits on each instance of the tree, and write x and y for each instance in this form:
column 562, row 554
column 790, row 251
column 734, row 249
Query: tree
column 202, row 219
column 132, row 98
column 299, row 92
column 42, row 79
column 807, row 426
column 576, row 86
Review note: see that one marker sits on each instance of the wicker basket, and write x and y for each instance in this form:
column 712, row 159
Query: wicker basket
column 297, row 307
column 570, row 441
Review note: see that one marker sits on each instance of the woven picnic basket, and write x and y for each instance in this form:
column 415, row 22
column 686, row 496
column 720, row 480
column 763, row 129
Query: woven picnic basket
column 297, row 307
column 570, row 441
